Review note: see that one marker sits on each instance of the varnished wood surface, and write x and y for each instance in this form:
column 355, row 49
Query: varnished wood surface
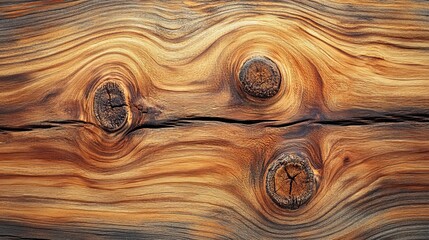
column 191, row 159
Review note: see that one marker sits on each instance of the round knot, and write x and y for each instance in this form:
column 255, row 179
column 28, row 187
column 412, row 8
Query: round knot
column 290, row 181
column 260, row 77
column 110, row 107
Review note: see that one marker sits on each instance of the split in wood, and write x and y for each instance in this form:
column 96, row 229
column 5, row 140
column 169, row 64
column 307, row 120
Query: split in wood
column 110, row 107
column 290, row 181
column 260, row 77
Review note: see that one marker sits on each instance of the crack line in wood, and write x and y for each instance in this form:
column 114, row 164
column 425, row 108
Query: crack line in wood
column 416, row 118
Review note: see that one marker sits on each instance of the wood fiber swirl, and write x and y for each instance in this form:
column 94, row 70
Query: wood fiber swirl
column 187, row 153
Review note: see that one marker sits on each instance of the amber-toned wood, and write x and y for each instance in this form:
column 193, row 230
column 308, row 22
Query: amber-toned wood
column 129, row 119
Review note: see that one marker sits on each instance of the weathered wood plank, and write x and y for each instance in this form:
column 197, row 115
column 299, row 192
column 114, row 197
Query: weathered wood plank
column 210, row 178
column 178, row 148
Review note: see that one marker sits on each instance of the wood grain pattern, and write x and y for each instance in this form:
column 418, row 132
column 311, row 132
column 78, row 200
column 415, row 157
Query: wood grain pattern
column 192, row 157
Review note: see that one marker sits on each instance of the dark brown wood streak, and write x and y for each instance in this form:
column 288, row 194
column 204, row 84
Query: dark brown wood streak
column 131, row 120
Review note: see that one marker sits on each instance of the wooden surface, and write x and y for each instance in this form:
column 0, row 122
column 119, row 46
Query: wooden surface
column 191, row 157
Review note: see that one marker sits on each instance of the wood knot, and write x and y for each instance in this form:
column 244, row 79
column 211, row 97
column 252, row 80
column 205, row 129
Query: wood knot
column 290, row 181
column 260, row 77
column 110, row 107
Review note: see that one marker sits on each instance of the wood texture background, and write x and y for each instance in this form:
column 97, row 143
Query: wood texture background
column 190, row 161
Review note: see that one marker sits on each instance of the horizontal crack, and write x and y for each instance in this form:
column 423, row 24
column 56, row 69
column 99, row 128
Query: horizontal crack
column 26, row 127
column 288, row 124
column 41, row 125
column 68, row 122
column 8, row 236
column 170, row 123
column 189, row 120
column 367, row 120
column 224, row 120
